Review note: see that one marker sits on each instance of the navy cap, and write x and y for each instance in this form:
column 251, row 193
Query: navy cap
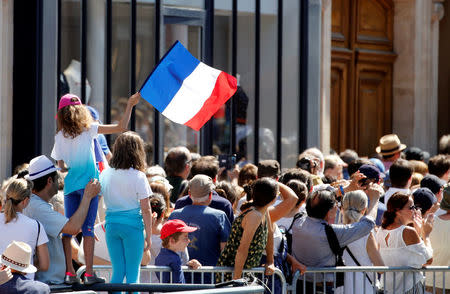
column 432, row 182
column 424, row 198
column 413, row 153
column 370, row 171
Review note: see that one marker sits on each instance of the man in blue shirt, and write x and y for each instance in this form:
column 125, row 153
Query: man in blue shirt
column 321, row 208
column 213, row 225
column 208, row 165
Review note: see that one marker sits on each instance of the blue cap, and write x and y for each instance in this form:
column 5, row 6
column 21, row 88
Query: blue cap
column 378, row 163
column 370, row 171
column 424, row 198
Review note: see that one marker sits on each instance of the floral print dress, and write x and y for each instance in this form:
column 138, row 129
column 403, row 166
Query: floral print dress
column 255, row 250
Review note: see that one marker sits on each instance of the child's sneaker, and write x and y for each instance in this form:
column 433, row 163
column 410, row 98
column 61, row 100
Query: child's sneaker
column 70, row 279
column 92, row 279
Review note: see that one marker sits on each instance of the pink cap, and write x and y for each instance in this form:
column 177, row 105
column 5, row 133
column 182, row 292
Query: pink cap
column 69, row 99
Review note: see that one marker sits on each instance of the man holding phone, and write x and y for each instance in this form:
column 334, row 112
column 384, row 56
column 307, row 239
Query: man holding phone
column 370, row 182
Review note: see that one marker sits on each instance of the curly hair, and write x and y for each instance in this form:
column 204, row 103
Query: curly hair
column 128, row 152
column 72, row 120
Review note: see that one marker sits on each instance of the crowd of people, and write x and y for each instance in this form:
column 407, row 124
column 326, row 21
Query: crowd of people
column 392, row 209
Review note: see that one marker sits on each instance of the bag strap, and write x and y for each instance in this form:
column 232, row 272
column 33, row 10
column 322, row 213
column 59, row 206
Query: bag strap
column 334, row 245
column 39, row 232
column 357, row 262
column 333, row 241
column 296, row 217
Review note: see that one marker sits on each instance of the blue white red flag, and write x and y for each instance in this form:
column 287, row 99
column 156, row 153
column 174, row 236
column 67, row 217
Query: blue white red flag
column 185, row 90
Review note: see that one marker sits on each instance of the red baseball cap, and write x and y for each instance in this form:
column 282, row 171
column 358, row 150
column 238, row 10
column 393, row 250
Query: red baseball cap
column 69, row 99
column 175, row 226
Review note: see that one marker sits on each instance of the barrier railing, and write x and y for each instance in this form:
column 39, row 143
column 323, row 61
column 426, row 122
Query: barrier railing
column 150, row 271
column 323, row 280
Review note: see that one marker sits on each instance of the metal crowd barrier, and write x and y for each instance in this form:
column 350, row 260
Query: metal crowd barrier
column 318, row 280
column 323, row 280
column 257, row 272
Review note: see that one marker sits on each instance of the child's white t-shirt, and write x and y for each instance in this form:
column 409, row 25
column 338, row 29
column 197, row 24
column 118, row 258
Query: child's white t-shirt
column 123, row 189
column 78, row 153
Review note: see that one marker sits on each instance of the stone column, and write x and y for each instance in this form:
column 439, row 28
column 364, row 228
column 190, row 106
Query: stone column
column 325, row 77
column 314, row 72
column 416, row 41
column 49, row 76
column 6, row 86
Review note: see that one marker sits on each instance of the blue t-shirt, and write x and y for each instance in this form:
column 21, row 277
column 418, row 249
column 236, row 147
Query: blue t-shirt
column 103, row 143
column 20, row 284
column 167, row 257
column 217, row 202
column 212, row 226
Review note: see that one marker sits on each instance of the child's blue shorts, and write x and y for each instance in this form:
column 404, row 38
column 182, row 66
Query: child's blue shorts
column 72, row 202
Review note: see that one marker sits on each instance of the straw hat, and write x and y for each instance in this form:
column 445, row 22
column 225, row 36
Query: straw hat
column 17, row 256
column 390, row 144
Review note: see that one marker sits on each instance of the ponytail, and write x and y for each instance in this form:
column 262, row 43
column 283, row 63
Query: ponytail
column 388, row 218
column 17, row 191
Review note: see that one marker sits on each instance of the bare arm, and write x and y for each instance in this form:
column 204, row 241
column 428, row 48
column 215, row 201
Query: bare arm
column 249, row 224
column 147, row 217
column 43, row 259
column 123, row 123
column 74, row 224
column 295, row 264
column 374, row 192
column 269, row 244
column 62, row 165
column 146, row 257
column 283, row 208
column 373, row 252
column 411, row 237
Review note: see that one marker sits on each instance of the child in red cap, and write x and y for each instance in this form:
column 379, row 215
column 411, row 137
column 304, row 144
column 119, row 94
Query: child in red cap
column 174, row 235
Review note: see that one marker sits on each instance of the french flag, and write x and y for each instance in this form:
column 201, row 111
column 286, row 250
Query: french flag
column 185, row 90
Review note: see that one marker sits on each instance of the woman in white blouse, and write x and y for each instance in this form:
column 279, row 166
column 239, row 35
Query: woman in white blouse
column 402, row 245
column 362, row 252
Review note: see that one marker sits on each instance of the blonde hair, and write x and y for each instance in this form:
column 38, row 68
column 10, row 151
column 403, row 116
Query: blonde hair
column 17, row 191
column 73, row 120
column 353, row 205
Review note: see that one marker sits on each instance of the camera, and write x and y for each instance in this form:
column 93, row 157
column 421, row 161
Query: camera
column 307, row 164
column 228, row 161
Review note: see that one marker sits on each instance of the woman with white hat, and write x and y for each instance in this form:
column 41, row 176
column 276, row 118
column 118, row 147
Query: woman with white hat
column 15, row 226
column 16, row 257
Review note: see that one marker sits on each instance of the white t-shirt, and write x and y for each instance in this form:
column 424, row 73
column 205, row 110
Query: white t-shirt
column 79, row 155
column 23, row 229
column 122, row 189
